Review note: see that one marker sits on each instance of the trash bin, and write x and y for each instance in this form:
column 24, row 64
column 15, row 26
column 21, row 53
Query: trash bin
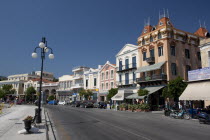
column 38, row 118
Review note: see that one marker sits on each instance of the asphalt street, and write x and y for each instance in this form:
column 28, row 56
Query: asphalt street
column 98, row 124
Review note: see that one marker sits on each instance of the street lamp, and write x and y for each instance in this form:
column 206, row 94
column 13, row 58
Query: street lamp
column 44, row 49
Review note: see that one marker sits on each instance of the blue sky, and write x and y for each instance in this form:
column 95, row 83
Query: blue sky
column 82, row 32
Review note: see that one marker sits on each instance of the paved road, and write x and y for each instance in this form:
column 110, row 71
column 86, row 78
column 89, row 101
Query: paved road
column 98, row 124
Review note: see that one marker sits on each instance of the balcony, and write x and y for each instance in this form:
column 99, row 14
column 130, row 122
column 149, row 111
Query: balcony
column 152, row 78
column 79, row 68
column 126, row 67
column 78, row 85
column 77, row 77
column 150, row 60
column 126, row 82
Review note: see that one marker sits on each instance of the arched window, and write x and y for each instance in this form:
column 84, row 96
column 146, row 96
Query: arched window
column 151, row 39
column 143, row 42
column 159, row 35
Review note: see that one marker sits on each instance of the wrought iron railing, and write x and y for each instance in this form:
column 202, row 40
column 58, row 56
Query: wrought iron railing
column 152, row 78
column 126, row 67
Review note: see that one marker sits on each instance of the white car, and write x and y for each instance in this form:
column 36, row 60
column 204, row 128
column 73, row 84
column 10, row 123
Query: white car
column 62, row 103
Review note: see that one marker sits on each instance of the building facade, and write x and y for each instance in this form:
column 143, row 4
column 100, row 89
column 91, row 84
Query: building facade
column 107, row 80
column 91, row 81
column 165, row 53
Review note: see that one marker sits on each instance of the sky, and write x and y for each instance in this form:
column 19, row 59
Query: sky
column 83, row 32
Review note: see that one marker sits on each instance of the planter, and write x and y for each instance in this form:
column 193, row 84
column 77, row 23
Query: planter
column 27, row 124
column 124, row 109
column 146, row 110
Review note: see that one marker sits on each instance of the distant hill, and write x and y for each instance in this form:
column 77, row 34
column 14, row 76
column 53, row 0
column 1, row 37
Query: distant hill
column 3, row 78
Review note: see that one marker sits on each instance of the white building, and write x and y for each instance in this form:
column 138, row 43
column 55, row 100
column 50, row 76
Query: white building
column 64, row 90
column 91, row 81
column 127, row 63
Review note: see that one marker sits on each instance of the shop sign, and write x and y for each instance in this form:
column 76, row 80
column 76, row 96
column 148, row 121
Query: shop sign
column 199, row 74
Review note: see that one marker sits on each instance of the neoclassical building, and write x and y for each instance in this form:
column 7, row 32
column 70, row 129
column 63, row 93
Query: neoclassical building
column 166, row 52
column 107, row 80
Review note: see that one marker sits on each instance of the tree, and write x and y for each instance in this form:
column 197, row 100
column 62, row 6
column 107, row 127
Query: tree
column 55, row 80
column 112, row 92
column 30, row 91
column 85, row 93
column 51, row 98
column 175, row 88
column 7, row 89
column 2, row 94
column 143, row 92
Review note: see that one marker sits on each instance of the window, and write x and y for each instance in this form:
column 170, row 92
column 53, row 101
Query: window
column 120, row 78
column 134, row 76
column 102, row 86
column 107, row 85
column 134, row 62
column 126, row 63
column 173, row 68
column 152, row 53
column 95, row 82
column 112, row 74
column 112, row 84
column 159, row 35
column 161, row 23
column 173, row 51
column 102, row 76
column 143, row 42
column 187, row 53
column 199, row 56
column 107, row 75
column 144, row 56
column 160, row 51
column 120, row 65
column 151, row 39
column 126, row 78
column 172, row 34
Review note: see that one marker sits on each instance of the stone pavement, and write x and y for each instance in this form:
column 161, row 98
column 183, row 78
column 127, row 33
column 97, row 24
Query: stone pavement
column 11, row 121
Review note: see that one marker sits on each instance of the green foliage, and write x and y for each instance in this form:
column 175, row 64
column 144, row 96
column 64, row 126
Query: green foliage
column 55, row 80
column 6, row 89
column 144, row 106
column 30, row 91
column 85, row 93
column 51, row 98
column 143, row 92
column 112, row 92
column 175, row 88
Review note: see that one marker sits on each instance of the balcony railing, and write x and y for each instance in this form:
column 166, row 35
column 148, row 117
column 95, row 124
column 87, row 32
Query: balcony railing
column 78, row 77
column 126, row 67
column 79, row 85
column 150, row 60
column 126, row 82
column 152, row 78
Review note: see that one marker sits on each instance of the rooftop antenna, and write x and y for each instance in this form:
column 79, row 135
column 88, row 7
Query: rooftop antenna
column 200, row 23
column 167, row 13
column 164, row 12
column 148, row 21
column 204, row 24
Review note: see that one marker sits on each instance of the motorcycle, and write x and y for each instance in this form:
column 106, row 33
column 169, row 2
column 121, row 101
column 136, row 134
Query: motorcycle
column 203, row 118
column 182, row 114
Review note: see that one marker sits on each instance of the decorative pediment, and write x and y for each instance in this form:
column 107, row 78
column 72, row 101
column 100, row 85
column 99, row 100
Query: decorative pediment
column 151, row 47
column 159, row 44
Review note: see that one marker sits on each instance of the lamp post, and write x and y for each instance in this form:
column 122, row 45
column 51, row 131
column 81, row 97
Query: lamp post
column 44, row 49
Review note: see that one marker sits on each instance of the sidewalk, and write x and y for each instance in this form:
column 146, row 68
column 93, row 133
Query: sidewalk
column 11, row 121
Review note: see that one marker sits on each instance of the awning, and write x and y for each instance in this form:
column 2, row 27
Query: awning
column 121, row 95
column 150, row 89
column 150, row 67
column 196, row 91
column 135, row 96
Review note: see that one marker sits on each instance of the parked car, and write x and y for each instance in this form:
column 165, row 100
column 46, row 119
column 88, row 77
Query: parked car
column 96, row 105
column 62, row 103
column 86, row 104
column 102, row 105
column 52, row 102
column 77, row 104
